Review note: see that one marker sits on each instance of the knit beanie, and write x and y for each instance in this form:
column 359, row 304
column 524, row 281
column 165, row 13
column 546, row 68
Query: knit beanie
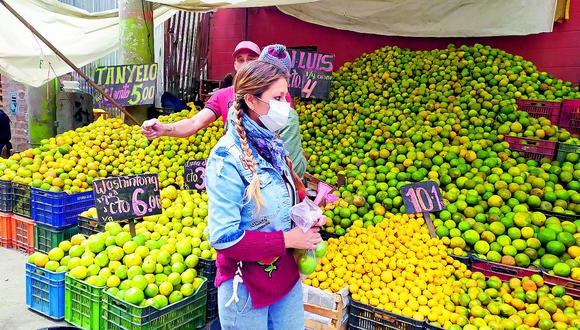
column 276, row 55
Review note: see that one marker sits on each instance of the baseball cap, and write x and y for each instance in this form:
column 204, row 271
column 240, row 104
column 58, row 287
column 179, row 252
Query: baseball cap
column 247, row 46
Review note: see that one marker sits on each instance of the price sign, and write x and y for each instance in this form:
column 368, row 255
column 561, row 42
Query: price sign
column 422, row 197
column 194, row 174
column 131, row 84
column 127, row 197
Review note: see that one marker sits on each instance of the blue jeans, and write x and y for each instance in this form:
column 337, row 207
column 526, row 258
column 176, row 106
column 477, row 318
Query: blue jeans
column 285, row 314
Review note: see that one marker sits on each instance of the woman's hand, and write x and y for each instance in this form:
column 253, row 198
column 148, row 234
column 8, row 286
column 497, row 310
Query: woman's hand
column 321, row 221
column 153, row 129
column 297, row 239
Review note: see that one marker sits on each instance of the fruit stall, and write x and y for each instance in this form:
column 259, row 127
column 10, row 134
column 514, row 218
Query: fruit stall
column 494, row 243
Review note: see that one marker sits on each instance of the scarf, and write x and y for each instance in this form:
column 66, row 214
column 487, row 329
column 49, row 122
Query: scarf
column 264, row 141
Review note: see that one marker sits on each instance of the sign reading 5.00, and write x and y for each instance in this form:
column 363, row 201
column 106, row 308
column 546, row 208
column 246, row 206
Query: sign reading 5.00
column 131, row 84
column 422, row 197
column 194, row 174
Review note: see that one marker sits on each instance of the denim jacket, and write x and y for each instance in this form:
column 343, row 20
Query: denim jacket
column 230, row 214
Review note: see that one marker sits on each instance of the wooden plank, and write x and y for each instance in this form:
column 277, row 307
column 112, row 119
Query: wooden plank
column 313, row 325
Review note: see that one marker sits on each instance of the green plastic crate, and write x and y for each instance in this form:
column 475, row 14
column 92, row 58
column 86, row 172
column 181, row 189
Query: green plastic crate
column 46, row 238
column 83, row 304
column 189, row 313
column 564, row 150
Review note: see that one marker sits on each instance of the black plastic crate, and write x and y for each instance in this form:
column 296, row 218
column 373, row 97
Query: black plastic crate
column 466, row 260
column 326, row 235
column 6, row 196
column 364, row 317
column 212, row 304
column 208, row 269
column 21, row 199
column 89, row 226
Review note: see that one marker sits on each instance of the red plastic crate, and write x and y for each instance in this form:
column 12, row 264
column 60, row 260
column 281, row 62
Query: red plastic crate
column 572, row 286
column 570, row 116
column 532, row 148
column 5, row 230
column 504, row 272
column 540, row 108
column 22, row 234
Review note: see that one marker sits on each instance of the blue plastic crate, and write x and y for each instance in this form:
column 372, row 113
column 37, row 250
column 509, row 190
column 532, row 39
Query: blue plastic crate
column 45, row 291
column 59, row 209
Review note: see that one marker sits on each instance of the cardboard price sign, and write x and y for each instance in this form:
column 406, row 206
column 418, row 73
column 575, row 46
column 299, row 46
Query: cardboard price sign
column 131, row 84
column 311, row 74
column 127, row 197
column 423, row 197
column 194, row 174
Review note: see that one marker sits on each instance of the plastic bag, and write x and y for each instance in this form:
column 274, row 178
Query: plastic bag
column 305, row 214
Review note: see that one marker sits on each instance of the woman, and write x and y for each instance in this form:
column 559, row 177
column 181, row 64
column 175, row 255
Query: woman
column 251, row 188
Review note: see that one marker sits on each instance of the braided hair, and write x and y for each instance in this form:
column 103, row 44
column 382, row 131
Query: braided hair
column 253, row 78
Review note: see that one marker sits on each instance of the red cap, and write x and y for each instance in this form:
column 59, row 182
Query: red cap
column 247, row 46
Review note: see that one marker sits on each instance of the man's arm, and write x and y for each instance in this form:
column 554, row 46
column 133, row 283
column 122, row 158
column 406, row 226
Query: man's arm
column 190, row 126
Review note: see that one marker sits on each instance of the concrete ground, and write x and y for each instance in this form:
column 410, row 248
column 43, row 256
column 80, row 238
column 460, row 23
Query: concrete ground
column 14, row 315
column 13, row 311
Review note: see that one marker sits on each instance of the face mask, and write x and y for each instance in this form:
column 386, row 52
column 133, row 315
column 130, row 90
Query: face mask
column 277, row 116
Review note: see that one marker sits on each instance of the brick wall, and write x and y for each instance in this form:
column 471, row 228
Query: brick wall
column 557, row 53
column 15, row 106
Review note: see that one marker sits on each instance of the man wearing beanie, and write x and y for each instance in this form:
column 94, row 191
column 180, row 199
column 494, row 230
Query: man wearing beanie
column 217, row 106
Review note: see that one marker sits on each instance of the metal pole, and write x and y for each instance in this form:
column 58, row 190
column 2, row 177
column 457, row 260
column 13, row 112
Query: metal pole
column 67, row 61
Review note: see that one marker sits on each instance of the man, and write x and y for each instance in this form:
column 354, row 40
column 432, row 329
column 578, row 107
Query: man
column 219, row 103
column 5, row 134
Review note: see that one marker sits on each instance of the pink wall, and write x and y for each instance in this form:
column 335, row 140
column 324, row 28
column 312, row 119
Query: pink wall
column 557, row 53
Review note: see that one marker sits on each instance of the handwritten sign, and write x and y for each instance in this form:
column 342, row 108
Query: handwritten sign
column 311, row 74
column 127, row 197
column 194, row 174
column 131, row 84
column 422, row 197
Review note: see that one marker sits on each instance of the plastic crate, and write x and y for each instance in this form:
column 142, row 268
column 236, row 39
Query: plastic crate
column 89, row 226
column 532, row 148
column 326, row 235
column 540, row 108
column 83, row 304
column 364, row 317
column 5, row 230
column 570, row 116
column 46, row 238
column 59, row 209
column 212, row 305
column 504, row 272
column 21, row 199
column 45, row 291
column 429, row 326
column 208, row 269
column 189, row 313
column 466, row 260
column 565, row 149
column 561, row 216
column 22, row 234
column 572, row 286
column 6, row 196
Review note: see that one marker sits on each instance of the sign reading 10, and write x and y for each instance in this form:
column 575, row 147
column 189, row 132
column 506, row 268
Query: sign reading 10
column 422, row 197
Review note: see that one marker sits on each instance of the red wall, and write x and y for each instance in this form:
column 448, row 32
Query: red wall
column 557, row 53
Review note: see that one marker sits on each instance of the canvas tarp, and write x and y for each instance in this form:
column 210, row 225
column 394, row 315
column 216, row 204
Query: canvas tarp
column 430, row 18
column 85, row 37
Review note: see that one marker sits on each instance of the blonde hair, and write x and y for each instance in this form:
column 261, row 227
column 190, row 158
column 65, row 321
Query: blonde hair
column 253, row 78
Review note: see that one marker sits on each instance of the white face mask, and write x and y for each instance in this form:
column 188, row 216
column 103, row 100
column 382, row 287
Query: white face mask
column 277, row 116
